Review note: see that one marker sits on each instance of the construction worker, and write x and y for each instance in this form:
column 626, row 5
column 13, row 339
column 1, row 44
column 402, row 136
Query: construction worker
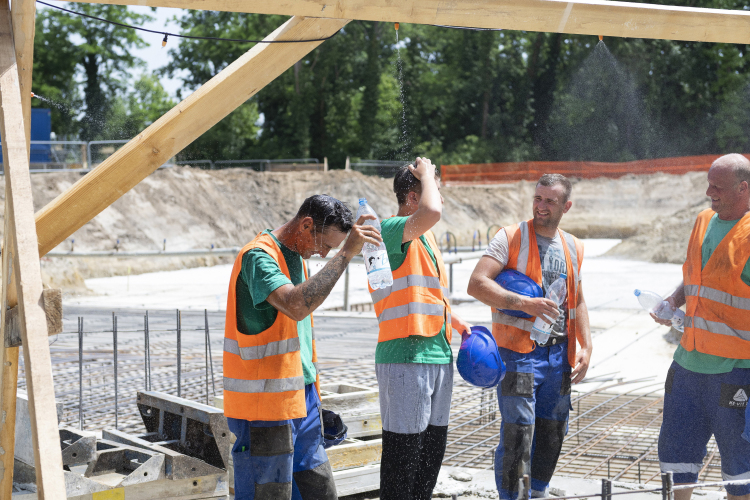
column 708, row 384
column 414, row 361
column 271, row 385
column 534, row 396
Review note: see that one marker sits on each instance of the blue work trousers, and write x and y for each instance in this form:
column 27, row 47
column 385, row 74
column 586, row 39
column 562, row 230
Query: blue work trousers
column 534, row 400
column 282, row 460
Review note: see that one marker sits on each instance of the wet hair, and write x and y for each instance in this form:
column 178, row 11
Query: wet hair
column 326, row 211
column 549, row 180
column 404, row 183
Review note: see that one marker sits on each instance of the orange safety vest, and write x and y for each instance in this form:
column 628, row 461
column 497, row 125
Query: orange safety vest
column 416, row 303
column 523, row 256
column 263, row 377
column 717, row 320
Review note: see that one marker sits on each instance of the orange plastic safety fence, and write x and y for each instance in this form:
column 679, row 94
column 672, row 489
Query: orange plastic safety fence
column 491, row 173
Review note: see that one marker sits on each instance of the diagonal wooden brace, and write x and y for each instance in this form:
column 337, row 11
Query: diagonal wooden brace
column 179, row 127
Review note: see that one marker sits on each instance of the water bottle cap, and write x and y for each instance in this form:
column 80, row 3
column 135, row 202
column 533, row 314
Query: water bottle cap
column 362, row 201
column 637, row 292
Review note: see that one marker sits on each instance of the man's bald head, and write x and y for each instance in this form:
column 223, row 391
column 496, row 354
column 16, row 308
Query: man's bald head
column 729, row 186
column 739, row 165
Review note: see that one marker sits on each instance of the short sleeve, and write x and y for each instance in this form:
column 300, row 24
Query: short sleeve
column 498, row 248
column 262, row 275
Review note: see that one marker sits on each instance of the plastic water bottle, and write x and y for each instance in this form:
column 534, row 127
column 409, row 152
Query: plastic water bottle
column 376, row 257
column 556, row 293
column 653, row 303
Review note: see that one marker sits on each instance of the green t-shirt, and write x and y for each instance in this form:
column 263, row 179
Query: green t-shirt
column 414, row 348
column 254, row 313
column 700, row 362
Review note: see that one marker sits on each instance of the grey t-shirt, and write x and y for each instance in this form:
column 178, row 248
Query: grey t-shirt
column 552, row 256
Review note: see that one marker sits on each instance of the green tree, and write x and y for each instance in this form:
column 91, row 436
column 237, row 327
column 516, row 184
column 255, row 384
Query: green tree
column 68, row 47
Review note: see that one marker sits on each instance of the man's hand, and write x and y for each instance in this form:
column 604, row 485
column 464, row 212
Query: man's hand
column 583, row 356
column 541, row 308
column 359, row 235
column 460, row 325
column 665, row 322
column 424, row 169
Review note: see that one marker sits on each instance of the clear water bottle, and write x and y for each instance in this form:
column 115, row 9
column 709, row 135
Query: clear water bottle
column 556, row 293
column 376, row 257
column 653, row 303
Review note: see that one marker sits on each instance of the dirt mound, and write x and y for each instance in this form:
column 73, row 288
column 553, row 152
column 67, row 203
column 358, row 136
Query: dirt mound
column 194, row 208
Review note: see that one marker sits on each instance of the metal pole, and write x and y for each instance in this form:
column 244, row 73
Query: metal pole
column 80, row 372
column 606, row 489
column 148, row 353
column 114, row 349
column 205, row 316
column 179, row 354
column 210, row 355
column 667, row 485
column 347, row 305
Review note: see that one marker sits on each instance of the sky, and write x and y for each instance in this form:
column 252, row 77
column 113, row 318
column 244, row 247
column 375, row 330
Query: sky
column 154, row 55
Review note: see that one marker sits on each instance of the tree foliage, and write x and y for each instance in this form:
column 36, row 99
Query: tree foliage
column 458, row 96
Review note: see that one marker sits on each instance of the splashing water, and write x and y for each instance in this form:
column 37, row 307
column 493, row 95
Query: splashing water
column 62, row 107
column 404, row 150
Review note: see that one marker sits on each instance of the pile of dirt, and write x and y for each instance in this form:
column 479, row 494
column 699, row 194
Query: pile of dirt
column 193, row 208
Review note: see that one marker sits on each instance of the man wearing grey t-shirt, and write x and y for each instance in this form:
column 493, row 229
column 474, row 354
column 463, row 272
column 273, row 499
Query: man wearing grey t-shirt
column 534, row 397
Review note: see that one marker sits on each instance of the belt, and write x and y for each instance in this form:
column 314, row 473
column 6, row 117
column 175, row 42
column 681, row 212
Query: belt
column 553, row 341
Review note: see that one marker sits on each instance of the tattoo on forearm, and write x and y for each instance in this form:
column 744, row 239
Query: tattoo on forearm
column 512, row 300
column 317, row 288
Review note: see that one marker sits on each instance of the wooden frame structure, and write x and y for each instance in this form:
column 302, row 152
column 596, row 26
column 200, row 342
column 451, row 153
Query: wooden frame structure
column 27, row 237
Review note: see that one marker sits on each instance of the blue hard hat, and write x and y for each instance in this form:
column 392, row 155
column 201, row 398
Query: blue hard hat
column 517, row 282
column 478, row 359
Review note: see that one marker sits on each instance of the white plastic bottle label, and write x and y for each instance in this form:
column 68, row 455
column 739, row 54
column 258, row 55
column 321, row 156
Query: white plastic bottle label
column 377, row 261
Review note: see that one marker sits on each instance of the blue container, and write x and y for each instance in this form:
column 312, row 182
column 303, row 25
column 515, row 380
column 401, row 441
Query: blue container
column 41, row 130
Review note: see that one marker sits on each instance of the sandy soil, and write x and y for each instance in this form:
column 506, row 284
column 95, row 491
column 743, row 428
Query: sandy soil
column 193, row 208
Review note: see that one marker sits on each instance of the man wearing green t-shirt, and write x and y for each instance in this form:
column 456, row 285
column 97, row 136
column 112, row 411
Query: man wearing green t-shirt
column 708, row 384
column 270, row 398
column 414, row 361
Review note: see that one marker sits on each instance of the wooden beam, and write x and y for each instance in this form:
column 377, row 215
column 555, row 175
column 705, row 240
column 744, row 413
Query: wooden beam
column 53, row 312
column 179, row 127
column 23, row 259
column 579, row 17
column 23, row 15
column 22, row 20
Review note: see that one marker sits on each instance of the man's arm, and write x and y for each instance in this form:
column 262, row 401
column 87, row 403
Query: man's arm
column 430, row 206
column 482, row 287
column 459, row 324
column 299, row 301
column 583, row 333
column 677, row 299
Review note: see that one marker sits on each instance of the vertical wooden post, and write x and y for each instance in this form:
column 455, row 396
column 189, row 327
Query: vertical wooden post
column 21, row 254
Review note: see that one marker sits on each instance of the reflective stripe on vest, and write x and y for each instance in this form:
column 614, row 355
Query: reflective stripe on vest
column 411, row 308
column 269, row 385
column 718, row 300
column 716, row 327
column 506, row 319
column 261, row 351
column 404, row 282
column 717, row 296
